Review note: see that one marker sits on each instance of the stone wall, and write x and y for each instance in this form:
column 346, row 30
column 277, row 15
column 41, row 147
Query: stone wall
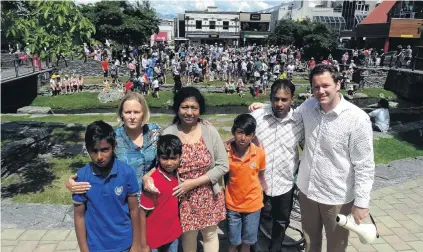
column 370, row 77
column 89, row 68
column 406, row 84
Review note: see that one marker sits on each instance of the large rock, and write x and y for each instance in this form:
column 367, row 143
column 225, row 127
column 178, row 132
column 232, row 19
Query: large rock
column 16, row 154
column 359, row 95
column 34, row 110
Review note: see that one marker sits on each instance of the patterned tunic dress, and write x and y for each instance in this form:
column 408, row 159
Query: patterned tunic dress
column 199, row 208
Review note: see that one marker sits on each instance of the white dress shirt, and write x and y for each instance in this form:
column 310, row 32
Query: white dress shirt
column 280, row 139
column 337, row 164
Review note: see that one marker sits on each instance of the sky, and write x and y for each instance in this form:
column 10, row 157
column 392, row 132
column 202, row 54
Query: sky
column 166, row 7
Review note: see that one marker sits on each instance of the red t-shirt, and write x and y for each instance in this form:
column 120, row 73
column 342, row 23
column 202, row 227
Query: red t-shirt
column 129, row 85
column 105, row 65
column 163, row 224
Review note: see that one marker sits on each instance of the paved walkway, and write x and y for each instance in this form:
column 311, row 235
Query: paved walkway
column 398, row 210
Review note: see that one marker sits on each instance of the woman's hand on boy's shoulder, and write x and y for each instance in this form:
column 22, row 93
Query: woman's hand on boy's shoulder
column 77, row 187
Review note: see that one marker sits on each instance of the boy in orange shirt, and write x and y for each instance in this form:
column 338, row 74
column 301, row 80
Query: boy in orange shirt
column 244, row 194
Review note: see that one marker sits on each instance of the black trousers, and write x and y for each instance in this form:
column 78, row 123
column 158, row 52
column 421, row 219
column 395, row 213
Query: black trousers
column 279, row 213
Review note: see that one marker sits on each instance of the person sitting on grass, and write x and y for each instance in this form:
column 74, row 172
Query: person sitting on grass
column 244, row 194
column 240, row 87
column 55, row 89
column 381, row 116
column 107, row 216
column 160, row 223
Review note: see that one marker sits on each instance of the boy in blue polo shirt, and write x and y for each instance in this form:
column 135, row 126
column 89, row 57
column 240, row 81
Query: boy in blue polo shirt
column 107, row 216
column 160, row 224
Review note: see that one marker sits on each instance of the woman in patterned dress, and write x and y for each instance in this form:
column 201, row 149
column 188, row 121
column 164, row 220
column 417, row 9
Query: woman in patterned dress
column 204, row 162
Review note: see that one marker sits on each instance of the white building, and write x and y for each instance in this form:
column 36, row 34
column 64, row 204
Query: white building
column 166, row 32
column 336, row 13
column 211, row 26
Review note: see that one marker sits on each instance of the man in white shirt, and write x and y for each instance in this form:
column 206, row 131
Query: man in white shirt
column 337, row 167
column 280, row 134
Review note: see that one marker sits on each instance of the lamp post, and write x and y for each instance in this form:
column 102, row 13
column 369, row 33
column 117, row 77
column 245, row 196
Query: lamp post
column 186, row 27
column 290, row 14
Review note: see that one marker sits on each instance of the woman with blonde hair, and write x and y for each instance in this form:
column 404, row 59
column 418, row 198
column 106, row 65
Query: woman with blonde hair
column 136, row 139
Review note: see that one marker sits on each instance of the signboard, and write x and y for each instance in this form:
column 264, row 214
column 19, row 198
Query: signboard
column 161, row 36
column 255, row 17
column 405, row 28
column 213, row 36
column 253, row 36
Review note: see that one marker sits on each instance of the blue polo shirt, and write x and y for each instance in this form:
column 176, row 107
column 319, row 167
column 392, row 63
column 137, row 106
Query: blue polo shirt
column 107, row 218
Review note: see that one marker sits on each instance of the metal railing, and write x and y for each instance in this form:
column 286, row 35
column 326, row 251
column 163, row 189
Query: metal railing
column 18, row 67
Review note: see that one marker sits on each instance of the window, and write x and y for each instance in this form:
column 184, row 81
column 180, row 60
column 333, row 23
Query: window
column 212, row 25
column 198, row 24
column 225, row 25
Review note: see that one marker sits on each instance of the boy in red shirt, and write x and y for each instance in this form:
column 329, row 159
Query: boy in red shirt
column 105, row 67
column 160, row 224
column 129, row 85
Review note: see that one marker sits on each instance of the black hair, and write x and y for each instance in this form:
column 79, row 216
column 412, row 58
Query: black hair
column 183, row 94
column 283, row 84
column 320, row 69
column 246, row 122
column 383, row 103
column 98, row 131
column 169, row 145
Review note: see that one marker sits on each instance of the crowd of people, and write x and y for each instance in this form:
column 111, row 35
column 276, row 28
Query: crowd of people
column 146, row 189
column 65, row 84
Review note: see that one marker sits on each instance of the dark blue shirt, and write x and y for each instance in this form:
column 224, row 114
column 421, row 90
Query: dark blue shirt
column 140, row 159
column 107, row 217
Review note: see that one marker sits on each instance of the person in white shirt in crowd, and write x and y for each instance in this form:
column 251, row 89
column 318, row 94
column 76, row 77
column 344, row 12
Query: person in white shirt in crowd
column 381, row 116
column 290, row 69
column 337, row 167
column 156, row 88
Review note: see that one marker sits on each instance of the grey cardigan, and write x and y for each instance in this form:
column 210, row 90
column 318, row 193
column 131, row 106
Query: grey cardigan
column 220, row 164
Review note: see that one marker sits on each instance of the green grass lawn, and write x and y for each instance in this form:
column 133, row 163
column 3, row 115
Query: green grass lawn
column 390, row 149
column 88, row 100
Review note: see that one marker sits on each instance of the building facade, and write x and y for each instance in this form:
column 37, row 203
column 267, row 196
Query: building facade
column 211, row 26
column 255, row 27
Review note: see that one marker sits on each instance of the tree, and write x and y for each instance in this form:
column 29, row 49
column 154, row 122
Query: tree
column 315, row 38
column 57, row 26
column 123, row 22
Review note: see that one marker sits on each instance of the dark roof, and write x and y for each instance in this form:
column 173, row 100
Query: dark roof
column 379, row 14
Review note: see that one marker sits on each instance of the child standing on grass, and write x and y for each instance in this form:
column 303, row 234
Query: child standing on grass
column 244, row 194
column 160, row 224
column 107, row 216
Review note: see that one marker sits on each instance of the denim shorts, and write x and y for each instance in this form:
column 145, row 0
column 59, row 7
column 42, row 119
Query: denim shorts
column 170, row 247
column 243, row 227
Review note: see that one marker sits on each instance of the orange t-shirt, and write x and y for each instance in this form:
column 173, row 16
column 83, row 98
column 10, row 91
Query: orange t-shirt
column 243, row 192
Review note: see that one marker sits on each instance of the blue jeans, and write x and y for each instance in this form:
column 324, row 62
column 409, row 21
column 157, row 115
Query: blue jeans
column 170, row 247
column 243, row 227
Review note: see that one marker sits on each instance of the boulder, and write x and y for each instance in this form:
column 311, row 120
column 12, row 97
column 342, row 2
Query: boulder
column 34, row 110
column 359, row 95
